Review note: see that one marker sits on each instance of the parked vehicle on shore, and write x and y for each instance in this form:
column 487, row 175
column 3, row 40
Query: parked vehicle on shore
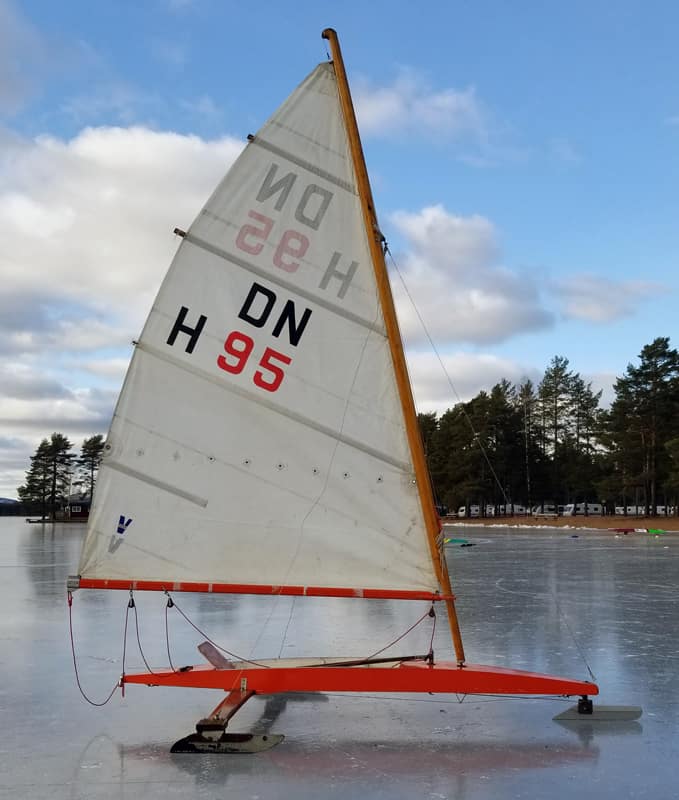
column 583, row 509
column 471, row 511
column 640, row 511
column 512, row 510
column 630, row 511
column 545, row 510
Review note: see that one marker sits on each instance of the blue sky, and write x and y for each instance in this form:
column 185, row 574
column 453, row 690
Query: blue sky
column 524, row 160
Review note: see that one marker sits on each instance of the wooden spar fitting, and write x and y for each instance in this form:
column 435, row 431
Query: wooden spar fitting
column 431, row 519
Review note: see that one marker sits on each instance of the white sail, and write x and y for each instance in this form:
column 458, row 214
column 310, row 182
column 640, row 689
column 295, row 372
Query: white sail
column 259, row 439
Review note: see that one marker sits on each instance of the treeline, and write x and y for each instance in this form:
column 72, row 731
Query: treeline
column 57, row 473
column 520, row 444
column 526, row 444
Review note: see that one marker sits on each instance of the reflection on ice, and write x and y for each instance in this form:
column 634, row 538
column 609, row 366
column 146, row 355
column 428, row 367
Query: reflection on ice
column 587, row 732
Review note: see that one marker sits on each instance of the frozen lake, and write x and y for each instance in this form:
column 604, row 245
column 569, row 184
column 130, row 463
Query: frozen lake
column 547, row 601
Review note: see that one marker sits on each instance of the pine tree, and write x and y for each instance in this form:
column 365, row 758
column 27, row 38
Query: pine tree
column 61, row 468
column 525, row 406
column 505, row 445
column 554, row 393
column 48, row 479
column 585, row 414
column 454, row 459
column 644, row 417
column 672, row 447
column 36, row 490
column 88, row 462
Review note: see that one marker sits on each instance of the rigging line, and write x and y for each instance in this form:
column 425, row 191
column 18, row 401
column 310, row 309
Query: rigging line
column 75, row 662
column 476, row 436
column 168, row 605
column 432, row 614
column 403, row 635
column 580, row 650
column 285, row 632
column 478, row 698
column 396, row 662
column 172, row 604
column 272, row 609
column 562, row 617
column 136, row 624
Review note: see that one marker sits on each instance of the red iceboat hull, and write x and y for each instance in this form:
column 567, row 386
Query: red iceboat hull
column 412, row 676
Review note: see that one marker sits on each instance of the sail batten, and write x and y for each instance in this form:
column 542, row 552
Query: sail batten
column 252, row 397
column 371, row 325
column 305, row 165
column 151, row 481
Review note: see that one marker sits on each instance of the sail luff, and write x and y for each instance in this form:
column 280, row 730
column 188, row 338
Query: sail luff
column 432, row 523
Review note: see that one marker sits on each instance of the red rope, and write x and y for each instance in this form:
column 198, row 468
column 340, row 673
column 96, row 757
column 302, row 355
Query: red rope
column 75, row 662
column 136, row 624
column 169, row 604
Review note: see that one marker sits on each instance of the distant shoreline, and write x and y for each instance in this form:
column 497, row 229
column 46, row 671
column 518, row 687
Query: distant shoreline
column 629, row 523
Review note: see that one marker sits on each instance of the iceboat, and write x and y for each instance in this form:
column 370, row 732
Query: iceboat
column 265, row 440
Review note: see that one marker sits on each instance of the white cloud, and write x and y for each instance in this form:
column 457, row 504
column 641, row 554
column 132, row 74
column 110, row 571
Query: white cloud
column 451, row 272
column 113, row 369
column 19, row 382
column 28, row 216
column 76, row 411
column 465, row 375
column 439, row 236
column 603, row 381
column 600, row 300
column 87, row 236
column 33, row 404
column 88, row 222
column 410, row 105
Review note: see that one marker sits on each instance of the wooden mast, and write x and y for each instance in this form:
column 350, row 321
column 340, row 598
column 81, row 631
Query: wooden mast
column 431, row 519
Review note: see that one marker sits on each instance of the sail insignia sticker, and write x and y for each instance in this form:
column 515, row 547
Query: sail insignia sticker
column 123, row 524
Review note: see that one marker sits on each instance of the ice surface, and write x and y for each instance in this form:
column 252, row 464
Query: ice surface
column 531, row 599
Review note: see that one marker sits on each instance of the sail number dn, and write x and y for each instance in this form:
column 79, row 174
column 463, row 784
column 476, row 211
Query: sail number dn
column 239, row 353
column 306, row 204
